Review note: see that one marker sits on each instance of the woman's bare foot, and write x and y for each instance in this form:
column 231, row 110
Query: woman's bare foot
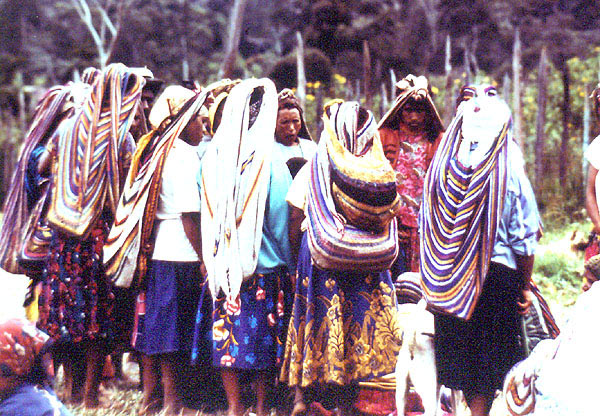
column 299, row 408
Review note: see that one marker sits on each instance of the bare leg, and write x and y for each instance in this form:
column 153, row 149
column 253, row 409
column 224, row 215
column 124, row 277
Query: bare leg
column 150, row 376
column 171, row 399
column 261, row 393
column 93, row 373
column 299, row 404
column 480, row 404
column 232, row 390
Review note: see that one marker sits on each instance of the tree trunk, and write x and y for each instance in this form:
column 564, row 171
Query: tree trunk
column 367, row 74
column 319, row 111
column 185, row 64
column 448, row 112
column 540, row 138
column 393, row 81
column 235, row 29
column 506, row 87
column 566, row 119
column 466, row 62
column 586, row 135
column 383, row 103
column 516, row 65
column 301, row 90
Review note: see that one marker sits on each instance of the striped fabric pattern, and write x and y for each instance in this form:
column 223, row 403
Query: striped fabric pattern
column 15, row 210
column 460, row 214
column 86, row 176
column 236, row 171
column 549, row 320
column 128, row 246
column 334, row 243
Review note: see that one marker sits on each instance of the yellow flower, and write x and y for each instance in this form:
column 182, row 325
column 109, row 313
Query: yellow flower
column 317, row 84
column 457, row 81
column 340, row 79
column 434, row 89
column 309, row 84
column 310, row 97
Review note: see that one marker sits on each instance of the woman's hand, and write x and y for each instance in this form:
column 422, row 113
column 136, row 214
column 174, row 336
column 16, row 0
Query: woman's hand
column 527, row 300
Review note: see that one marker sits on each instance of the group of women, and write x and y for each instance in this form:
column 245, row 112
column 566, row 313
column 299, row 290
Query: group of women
column 224, row 234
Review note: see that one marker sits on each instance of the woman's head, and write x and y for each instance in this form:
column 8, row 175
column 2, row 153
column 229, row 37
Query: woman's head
column 290, row 119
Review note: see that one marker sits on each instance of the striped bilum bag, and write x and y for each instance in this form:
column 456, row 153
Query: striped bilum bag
column 86, row 176
column 24, row 244
column 130, row 244
column 460, row 214
column 352, row 198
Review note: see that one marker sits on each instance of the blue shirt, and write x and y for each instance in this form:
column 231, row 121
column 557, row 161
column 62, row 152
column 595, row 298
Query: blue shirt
column 33, row 400
column 520, row 222
column 275, row 246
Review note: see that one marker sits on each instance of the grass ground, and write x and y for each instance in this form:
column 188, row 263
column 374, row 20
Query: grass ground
column 557, row 272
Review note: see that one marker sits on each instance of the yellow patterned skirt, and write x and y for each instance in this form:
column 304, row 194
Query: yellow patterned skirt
column 343, row 328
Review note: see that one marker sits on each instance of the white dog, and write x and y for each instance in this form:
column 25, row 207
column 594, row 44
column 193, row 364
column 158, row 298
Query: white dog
column 416, row 359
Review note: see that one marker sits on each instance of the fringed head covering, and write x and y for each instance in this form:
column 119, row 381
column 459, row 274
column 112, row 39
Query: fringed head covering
column 287, row 99
column 48, row 114
column 129, row 244
column 234, row 184
column 86, row 176
column 413, row 89
column 90, row 74
column 169, row 103
column 464, row 194
column 219, row 95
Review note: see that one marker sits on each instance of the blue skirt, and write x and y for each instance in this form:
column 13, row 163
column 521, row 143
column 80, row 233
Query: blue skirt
column 171, row 297
column 249, row 332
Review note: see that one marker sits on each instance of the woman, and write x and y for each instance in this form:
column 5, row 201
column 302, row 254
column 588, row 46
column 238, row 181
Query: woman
column 92, row 152
column 343, row 328
column 173, row 280
column 244, row 223
column 479, row 227
column 291, row 134
column 29, row 187
column 410, row 132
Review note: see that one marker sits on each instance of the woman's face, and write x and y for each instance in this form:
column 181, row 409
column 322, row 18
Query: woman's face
column 288, row 126
column 194, row 131
column 413, row 116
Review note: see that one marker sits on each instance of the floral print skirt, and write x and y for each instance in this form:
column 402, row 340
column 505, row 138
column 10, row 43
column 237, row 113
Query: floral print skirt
column 76, row 301
column 343, row 327
column 249, row 332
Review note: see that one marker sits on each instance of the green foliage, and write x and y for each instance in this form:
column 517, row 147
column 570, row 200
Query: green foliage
column 558, row 269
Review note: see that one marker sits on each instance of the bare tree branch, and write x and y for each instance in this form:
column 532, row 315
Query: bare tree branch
column 84, row 12
column 106, row 18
